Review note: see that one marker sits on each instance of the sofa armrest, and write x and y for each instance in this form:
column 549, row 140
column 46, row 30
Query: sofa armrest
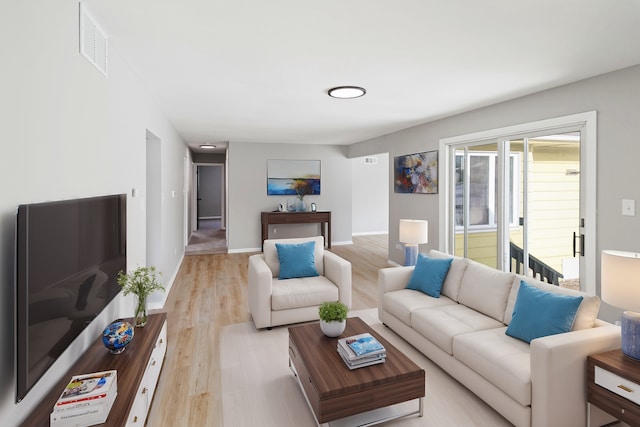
column 559, row 374
column 260, row 283
column 393, row 279
column 338, row 270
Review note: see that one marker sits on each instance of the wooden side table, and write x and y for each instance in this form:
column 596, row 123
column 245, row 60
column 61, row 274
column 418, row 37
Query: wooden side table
column 613, row 385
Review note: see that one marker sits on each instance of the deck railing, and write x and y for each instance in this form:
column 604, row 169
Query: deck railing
column 540, row 269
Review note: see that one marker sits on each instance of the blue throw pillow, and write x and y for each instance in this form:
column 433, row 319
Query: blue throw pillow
column 296, row 260
column 428, row 275
column 538, row 313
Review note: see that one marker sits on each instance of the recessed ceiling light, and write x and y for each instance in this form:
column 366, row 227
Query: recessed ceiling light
column 346, row 92
column 207, row 146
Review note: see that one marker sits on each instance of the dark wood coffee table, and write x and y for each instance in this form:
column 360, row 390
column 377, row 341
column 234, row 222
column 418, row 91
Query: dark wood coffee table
column 335, row 392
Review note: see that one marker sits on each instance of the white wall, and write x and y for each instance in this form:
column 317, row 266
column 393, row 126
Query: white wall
column 370, row 195
column 247, row 191
column 69, row 132
column 615, row 96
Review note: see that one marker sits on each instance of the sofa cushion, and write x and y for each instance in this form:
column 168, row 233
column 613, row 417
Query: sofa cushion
column 538, row 313
column 451, row 285
column 271, row 253
column 305, row 292
column 296, row 260
column 502, row 360
column 428, row 275
column 402, row 302
column 485, row 289
column 587, row 312
column 441, row 324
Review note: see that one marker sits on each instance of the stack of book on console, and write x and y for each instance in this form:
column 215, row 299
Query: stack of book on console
column 86, row 400
column 361, row 350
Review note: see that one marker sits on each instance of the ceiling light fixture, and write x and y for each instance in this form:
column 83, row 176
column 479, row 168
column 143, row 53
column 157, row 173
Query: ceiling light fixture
column 346, row 92
column 207, row 146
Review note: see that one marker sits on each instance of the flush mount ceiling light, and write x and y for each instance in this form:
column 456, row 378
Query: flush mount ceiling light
column 207, row 146
column 346, row 92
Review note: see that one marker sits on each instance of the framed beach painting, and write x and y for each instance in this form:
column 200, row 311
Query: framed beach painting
column 416, row 173
column 293, row 177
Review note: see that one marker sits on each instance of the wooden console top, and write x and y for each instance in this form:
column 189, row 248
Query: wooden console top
column 130, row 365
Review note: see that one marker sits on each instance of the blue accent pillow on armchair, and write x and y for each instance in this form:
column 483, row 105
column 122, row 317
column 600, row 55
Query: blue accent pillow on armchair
column 296, row 260
column 538, row 313
column 429, row 274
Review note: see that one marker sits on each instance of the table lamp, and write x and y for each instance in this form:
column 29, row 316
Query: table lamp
column 620, row 287
column 413, row 232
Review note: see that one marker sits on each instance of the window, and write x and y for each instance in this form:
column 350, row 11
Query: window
column 482, row 189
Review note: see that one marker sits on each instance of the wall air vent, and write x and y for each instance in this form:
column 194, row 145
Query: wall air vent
column 370, row 160
column 93, row 41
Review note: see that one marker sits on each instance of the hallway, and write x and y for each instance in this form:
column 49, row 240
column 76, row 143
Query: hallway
column 210, row 238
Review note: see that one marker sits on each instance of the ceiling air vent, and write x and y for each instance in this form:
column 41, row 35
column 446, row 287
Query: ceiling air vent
column 371, row 160
column 93, row 42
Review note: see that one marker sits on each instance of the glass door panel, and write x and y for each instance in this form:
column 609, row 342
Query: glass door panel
column 549, row 208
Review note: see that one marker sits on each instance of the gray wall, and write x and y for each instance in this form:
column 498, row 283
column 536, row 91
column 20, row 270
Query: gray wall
column 370, row 195
column 70, row 132
column 247, row 191
column 616, row 98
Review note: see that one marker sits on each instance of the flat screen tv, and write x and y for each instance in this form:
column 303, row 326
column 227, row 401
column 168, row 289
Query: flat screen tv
column 68, row 254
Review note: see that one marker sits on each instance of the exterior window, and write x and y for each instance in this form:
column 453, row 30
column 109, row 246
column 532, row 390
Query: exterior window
column 482, row 190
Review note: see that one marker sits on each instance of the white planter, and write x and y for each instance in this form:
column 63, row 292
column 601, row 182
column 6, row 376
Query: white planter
column 333, row 329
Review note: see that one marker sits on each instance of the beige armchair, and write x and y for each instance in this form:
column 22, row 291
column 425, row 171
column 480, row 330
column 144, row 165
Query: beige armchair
column 274, row 301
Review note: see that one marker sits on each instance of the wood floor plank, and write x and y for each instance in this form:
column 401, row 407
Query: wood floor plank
column 209, row 292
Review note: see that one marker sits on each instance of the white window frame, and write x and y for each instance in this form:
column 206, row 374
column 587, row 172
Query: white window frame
column 515, row 192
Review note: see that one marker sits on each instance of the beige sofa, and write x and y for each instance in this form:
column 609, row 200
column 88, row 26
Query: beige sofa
column 274, row 302
column 541, row 384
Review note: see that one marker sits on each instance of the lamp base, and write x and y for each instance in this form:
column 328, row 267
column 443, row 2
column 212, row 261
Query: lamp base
column 410, row 254
column 630, row 326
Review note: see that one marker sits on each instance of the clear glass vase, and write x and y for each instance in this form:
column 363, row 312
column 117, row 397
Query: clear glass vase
column 140, row 316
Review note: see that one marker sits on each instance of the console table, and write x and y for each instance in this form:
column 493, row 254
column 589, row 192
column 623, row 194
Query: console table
column 320, row 217
column 138, row 371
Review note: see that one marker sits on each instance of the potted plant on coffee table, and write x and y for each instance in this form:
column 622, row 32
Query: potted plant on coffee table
column 141, row 282
column 333, row 318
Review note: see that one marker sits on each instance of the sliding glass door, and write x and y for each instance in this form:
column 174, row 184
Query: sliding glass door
column 518, row 203
column 548, row 208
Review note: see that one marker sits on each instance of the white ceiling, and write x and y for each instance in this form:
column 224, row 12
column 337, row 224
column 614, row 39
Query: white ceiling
column 258, row 71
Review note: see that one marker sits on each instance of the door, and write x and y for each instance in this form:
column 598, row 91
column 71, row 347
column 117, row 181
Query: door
column 545, row 241
column 519, row 203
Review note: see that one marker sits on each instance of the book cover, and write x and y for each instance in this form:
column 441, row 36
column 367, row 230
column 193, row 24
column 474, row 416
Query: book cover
column 87, row 387
column 364, row 344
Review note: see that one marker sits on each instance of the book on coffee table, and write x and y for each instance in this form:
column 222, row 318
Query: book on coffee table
column 361, row 350
column 361, row 345
column 362, row 361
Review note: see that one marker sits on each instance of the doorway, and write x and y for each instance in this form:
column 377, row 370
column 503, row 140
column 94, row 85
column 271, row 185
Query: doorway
column 209, row 234
column 153, row 200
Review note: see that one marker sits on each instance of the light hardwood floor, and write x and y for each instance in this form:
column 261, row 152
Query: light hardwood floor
column 209, row 292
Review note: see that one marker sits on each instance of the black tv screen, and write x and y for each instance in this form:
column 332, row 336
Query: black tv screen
column 68, row 254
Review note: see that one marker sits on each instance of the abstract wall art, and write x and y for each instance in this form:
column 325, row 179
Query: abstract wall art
column 293, row 177
column 416, row 173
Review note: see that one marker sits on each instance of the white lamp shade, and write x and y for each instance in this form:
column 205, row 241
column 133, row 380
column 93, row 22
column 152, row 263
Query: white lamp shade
column 620, row 279
column 414, row 231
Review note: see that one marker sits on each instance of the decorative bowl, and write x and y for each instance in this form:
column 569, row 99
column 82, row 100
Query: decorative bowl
column 117, row 335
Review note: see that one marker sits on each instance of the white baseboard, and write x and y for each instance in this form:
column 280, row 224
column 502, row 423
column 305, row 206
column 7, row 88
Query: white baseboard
column 370, row 233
